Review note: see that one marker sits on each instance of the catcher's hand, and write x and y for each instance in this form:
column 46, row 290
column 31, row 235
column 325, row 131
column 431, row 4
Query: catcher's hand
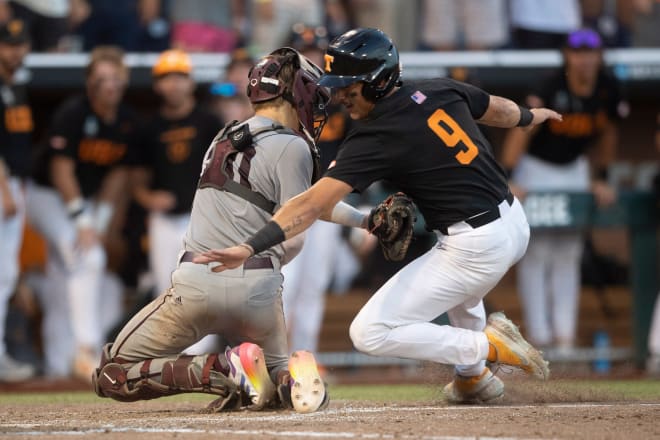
column 392, row 221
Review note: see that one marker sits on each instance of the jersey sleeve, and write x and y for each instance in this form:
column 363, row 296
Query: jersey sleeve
column 476, row 98
column 64, row 131
column 294, row 169
column 361, row 160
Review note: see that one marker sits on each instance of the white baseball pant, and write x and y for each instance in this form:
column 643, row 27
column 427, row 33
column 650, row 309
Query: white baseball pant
column 166, row 232
column 548, row 275
column 306, row 280
column 452, row 277
column 81, row 271
column 11, row 235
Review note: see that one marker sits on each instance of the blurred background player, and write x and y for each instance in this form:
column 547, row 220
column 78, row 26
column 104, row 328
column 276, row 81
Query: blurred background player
column 46, row 21
column 308, row 277
column 228, row 100
column 653, row 362
column 555, row 157
column 81, row 188
column 172, row 147
column 16, row 128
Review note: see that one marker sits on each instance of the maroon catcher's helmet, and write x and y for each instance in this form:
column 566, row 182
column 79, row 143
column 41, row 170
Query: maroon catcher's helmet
column 305, row 95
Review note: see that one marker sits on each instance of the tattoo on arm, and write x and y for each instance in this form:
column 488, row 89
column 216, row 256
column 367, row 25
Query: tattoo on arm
column 297, row 221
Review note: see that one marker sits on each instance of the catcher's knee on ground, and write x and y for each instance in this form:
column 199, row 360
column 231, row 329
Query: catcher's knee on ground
column 153, row 378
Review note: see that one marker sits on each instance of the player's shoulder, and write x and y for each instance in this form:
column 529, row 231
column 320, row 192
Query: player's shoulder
column 202, row 113
column 432, row 85
column 77, row 104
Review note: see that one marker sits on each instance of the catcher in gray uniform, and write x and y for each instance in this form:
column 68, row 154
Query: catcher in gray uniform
column 249, row 171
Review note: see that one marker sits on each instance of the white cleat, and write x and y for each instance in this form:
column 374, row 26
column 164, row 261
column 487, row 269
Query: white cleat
column 308, row 393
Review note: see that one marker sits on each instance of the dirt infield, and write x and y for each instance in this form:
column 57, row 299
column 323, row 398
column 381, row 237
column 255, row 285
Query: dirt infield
column 527, row 412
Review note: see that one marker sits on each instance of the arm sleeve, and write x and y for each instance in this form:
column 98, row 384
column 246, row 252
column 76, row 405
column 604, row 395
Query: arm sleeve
column 476, row 98
column 294, row 169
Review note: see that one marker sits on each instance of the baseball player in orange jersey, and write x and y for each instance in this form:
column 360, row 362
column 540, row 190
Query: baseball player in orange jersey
column 422, row 136
column 78, row 184
column 250, row 169
column 556, row 157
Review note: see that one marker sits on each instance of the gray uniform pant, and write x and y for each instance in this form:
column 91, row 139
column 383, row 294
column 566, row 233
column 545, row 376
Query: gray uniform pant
column 239, row 304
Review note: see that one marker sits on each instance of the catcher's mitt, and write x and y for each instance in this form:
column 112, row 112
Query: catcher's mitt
column 392, row 221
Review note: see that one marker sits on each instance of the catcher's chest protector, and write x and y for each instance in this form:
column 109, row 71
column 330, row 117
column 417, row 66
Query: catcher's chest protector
column 218, row 166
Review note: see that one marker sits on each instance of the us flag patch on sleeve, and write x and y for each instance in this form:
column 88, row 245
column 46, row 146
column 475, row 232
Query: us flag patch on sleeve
column 418, row 97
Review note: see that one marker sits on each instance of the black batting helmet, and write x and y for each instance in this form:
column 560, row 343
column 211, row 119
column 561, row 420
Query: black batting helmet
column 305, row 95
column 366, row 55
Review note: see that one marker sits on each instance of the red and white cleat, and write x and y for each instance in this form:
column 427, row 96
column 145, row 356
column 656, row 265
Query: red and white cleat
column 247, row 368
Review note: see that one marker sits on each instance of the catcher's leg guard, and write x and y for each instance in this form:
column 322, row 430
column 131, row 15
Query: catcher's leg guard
column 153, row 378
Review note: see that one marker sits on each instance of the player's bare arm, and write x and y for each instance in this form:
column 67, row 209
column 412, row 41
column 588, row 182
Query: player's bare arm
column 291, row 219
column 64, row 179
column 504, row 113
column 602, row 157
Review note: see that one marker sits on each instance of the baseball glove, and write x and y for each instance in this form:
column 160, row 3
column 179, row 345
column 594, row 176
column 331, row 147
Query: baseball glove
column 392, row 221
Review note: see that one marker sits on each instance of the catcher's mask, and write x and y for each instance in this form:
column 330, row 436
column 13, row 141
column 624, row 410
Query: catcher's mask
column 305, row 95
column 366, row 55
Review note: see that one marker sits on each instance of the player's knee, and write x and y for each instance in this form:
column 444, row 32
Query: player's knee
column 94, row 259
column 9, row 276
column 367, row 337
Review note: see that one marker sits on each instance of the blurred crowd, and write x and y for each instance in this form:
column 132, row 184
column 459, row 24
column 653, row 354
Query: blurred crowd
column 106, row 194
column 263, row 25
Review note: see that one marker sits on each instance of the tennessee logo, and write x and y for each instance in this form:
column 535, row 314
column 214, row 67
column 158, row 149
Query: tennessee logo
column 328, row 62
column 15, row 27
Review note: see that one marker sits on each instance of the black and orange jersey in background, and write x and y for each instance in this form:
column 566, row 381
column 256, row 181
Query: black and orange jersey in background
column 335, row 130
column 95, row 146
column 174, row 149
column 16, row 129
column 584, row 118
column 424, row 140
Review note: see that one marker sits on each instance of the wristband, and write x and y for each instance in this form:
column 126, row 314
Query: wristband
column 75, row 207
column 267, row 237
column 526, row 117
column 346, row 215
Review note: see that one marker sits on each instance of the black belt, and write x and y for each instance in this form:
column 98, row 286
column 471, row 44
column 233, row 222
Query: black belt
column 481, row 219
column 250, row 263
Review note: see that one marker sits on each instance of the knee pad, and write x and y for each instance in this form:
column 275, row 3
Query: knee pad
column 153, row 378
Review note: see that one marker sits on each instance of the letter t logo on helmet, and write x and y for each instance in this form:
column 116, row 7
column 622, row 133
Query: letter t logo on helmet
column 328, row 62
column 366, row 55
